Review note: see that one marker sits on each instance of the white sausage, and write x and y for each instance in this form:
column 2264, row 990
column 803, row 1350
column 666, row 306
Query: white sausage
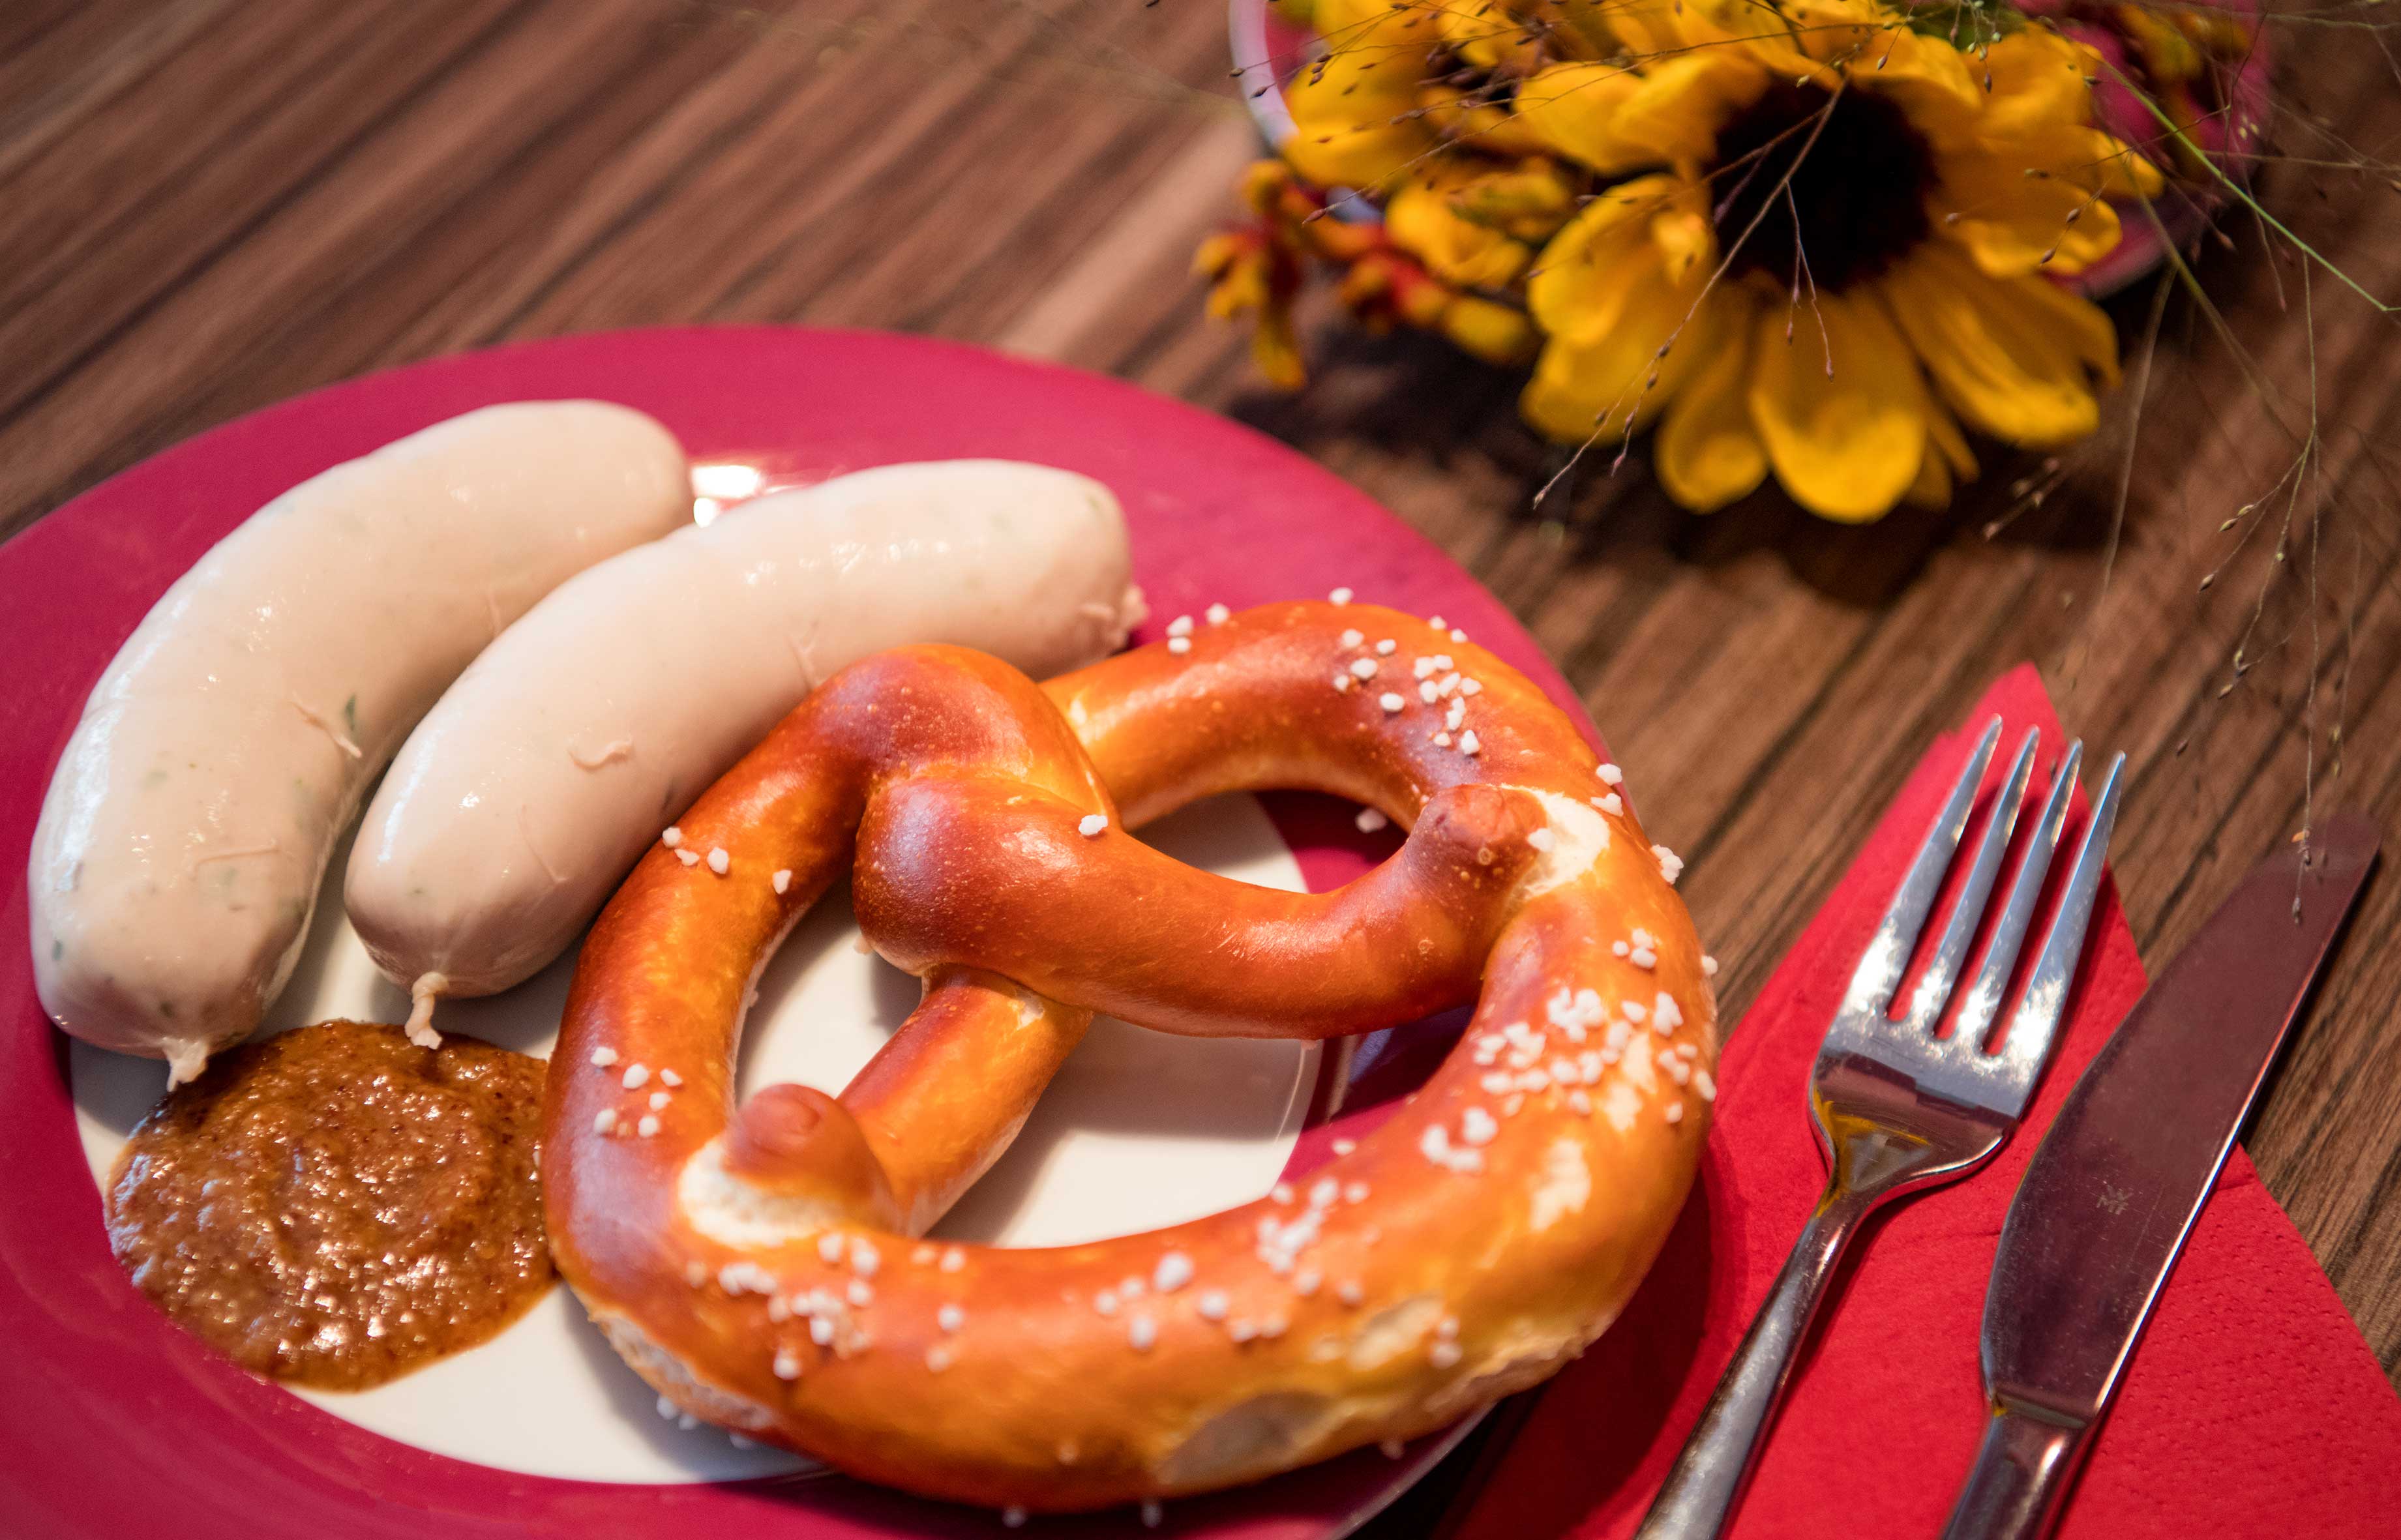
column 526, row 793
column 225, row 750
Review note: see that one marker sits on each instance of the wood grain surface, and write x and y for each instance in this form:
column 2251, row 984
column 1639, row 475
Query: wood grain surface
column 208, row 205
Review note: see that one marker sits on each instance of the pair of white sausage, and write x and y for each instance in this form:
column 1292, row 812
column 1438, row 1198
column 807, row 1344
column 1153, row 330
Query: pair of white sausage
column 531, row 789
column 187, row 830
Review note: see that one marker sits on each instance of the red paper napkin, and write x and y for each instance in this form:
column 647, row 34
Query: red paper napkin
column 2253, row 1407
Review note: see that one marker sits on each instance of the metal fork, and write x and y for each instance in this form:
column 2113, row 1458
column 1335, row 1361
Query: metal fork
column 1899, row 1108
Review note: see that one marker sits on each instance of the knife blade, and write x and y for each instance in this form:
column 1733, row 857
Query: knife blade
column 2114, row 1188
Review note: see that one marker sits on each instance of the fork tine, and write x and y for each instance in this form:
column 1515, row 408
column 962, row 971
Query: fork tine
column 1933, row 989
column 1887, row 955
column 2037, row 1019
column 1982, row 1000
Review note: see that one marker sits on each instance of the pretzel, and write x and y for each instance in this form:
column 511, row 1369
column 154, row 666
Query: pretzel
column 759, row 1266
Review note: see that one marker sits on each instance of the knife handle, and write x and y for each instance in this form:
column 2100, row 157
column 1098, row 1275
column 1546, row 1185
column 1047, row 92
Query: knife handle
column 2020, row 1479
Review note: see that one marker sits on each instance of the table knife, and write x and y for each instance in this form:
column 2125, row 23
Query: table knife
column 2116, row 1184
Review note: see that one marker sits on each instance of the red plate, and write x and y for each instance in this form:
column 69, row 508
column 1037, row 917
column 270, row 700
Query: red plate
column 112, row 1422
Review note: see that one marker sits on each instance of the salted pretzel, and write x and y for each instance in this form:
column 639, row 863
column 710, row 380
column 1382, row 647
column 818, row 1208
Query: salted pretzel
column 760, row 1265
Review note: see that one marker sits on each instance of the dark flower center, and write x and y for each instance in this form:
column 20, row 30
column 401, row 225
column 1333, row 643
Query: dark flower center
column 1855, row 198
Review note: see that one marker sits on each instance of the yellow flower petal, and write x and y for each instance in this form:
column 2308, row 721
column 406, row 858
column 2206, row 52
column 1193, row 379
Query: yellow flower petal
column 1573, row 108
column 1707, row 453
column 1529, row 200
column 1579, row 283
column 1995, row 347
column 1674, row 114
column 2015, row 215
column 2038, row 78
column 1942, row 433
column 1932, row 487
column 1847, row 443
column 1423, row 219
column 1354, row 111
column 1930, row 80
column 1495, row 332
column 1615, row 381
column 1482, row 127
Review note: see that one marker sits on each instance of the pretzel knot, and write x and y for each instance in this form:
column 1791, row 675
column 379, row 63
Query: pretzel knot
column 758, row 1266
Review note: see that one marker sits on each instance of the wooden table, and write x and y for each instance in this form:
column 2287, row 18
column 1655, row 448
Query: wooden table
column 208, row 205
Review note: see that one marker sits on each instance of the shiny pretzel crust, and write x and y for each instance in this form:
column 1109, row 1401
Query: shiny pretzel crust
column 759, row 1267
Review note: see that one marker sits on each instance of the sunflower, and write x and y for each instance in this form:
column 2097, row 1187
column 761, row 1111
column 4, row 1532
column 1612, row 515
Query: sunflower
column 1837, row 238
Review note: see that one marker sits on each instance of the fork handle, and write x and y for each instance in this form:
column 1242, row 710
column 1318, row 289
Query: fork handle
column 1715, row 1466
column 2021, row 1474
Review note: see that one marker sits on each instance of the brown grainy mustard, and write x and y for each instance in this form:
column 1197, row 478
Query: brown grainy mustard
column 335, row 1206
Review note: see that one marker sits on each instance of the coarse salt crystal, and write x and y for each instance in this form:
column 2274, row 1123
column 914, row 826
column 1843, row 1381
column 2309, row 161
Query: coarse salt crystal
column 1141, row 1332
column 1340, row 596
column 829, row 1248
column 1180, row 626
column 1671, row 866
column 1675, row 1112
column 669, row 1077
column 690, row 858
column 659, row 1100
column 1342, row 683
column 647, row 1126
column 1610, row 774
column 1179, row 645
column 949, row 1317
column 604, row 1121
column 1174, row 1272
column 1213, row 1304
column 671, row 837
column 719, row 862
column 1363, row 668
column 1541, row 839
column 1468, row 743
column 1092, row 823
column 1708, row 966
column 1370, row 819
column 1218, row 615
column 1353, row 637
column 635, row 1076
column 1389, row 701
column 604, row 1056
